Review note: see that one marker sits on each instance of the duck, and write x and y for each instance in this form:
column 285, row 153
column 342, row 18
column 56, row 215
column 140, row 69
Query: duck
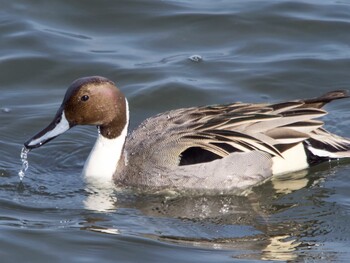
column 219, row 147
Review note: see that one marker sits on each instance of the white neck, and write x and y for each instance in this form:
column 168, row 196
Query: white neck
column 104, row 157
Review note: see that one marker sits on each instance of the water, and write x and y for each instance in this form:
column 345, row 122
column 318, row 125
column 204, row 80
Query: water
column 25, row 163
column 261, row 51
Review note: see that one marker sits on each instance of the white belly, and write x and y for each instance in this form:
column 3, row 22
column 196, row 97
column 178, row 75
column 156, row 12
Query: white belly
column 294, row 159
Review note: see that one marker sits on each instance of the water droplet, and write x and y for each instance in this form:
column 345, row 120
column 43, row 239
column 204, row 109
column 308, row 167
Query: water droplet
column 25, row 164
column 195, row 58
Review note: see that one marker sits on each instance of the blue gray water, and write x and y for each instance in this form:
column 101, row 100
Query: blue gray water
column 252, row 51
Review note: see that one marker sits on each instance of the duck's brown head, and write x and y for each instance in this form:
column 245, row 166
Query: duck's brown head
column 88, row 101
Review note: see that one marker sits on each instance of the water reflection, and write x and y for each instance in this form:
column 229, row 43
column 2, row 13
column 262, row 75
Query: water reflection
column 101, row 196
column 268, row 222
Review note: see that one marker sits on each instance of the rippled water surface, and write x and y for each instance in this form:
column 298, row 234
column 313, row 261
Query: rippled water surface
column 165, row 55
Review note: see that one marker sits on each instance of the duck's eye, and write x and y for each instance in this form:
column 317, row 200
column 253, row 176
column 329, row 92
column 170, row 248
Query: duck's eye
column 84, row 98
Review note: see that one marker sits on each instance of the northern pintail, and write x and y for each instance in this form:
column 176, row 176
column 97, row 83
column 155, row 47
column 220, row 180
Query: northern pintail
column 220, row 147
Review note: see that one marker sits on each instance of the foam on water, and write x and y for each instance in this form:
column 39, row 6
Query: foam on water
column 25, row 164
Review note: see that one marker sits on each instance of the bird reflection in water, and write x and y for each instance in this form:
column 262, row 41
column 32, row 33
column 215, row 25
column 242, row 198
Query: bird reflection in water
column 261, row 223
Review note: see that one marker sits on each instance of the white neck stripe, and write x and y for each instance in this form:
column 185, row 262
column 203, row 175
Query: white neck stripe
column 104, row 157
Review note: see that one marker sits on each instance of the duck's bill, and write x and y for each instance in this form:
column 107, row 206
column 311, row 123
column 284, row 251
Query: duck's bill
column 58, row 126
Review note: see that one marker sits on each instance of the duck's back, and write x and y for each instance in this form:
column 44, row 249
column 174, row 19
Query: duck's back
column 204, row 147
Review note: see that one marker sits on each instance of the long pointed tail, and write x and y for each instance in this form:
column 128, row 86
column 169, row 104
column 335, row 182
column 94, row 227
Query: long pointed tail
column 323, row 145
column 319, row 102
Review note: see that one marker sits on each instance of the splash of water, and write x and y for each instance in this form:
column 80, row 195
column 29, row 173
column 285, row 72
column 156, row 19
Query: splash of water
column 25, row 164
column 195, row 58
